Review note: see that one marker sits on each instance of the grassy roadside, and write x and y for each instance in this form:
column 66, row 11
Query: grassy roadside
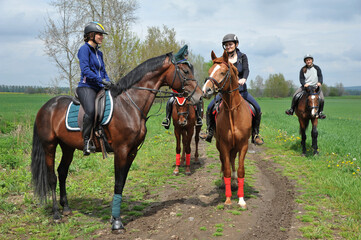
column 330, row 182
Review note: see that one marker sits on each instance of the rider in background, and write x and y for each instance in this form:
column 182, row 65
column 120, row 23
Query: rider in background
column 181, row 57
column 93, row 77
column 240, row 61
column 310, row 75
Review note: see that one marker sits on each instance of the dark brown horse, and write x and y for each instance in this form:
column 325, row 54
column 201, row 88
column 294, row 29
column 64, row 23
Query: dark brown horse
column 133, row 97
column 306, row 111
column 233, row 122
column 184, row 121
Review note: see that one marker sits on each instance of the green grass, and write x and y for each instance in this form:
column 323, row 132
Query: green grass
column 328, row 185
column 330, row 182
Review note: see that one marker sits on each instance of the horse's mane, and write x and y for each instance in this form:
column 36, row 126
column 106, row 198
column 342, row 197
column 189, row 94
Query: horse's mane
column 138, row 73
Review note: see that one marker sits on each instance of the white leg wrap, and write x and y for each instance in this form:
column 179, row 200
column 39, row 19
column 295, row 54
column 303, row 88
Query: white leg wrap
column 241, row 202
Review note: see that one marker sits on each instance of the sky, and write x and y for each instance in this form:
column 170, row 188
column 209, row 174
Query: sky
column 275, row 35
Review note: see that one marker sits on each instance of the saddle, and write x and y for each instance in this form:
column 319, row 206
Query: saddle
column 103, row 115
column 217, row 105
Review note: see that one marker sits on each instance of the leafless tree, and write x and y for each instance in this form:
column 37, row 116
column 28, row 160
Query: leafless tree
column 61, row 39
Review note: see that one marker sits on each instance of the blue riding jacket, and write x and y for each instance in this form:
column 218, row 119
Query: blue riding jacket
column 92, row 67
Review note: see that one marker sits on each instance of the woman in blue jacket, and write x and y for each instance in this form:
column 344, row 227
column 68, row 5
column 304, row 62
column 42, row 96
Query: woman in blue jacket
column 240, row 61
column 93, row 77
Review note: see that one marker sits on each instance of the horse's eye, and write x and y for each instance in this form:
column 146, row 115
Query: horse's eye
column 186, row 71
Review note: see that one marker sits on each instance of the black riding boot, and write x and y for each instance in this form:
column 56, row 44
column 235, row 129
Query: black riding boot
column 320, row 110
column 256, row 138
column 168, row 113
column 211, row 124
column 199, row 114
column 293, row 106
column 87, row 128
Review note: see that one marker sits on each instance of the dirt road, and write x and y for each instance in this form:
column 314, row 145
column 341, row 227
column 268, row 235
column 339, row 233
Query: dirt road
column 191, row 209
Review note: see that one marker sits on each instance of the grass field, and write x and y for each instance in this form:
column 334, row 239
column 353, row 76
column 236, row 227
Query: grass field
column 329, row 184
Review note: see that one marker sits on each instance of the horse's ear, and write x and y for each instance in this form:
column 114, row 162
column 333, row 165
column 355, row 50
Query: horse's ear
column 225, row 56
column 213, row 55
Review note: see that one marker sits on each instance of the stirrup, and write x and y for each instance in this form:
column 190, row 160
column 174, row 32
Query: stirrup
column 166, row 123
column 258, row 140
column 199, row 122
column 321, row 115
column 289, row 112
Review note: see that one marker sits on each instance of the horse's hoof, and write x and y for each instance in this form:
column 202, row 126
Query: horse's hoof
column 315, row 153
column 67, row 211
column 228, row 202
column 117, row 226
column 175, row 173
column 197, row 162
column 188, row 173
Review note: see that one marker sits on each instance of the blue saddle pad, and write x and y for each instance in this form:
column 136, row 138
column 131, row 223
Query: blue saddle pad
column 71, row 120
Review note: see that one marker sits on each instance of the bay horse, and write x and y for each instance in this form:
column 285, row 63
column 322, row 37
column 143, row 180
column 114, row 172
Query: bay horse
column 233, row 122
column 184, row 122
column 306, row 111
column 133, row 97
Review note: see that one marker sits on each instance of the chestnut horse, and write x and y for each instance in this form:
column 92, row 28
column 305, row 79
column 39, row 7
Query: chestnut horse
column 306, row 111
column 233, row 122
column 184, row 121
column 133, row 97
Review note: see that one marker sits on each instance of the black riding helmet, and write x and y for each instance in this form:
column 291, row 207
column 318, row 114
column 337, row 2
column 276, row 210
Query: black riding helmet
column 229, row 38
column 94, row 27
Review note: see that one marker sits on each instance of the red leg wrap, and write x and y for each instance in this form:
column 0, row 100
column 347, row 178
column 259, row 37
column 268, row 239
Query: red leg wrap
column 188, row 159
column 240, row 187
column 227, row 183
column 177, row 159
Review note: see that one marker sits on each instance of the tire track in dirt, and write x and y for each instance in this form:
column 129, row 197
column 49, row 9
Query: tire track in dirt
column 188, row 210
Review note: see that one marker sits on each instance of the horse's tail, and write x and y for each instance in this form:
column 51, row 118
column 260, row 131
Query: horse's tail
column 38, row 168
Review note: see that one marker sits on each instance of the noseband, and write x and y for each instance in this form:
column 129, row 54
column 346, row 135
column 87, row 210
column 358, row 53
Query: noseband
column 223, row 82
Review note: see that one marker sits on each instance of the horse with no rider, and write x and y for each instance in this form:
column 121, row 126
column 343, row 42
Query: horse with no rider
column 184, row 121
column 233, row 122
column 132, row 97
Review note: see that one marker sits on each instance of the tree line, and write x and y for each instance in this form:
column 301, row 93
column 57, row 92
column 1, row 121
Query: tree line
column 276, row 86
column 33, row 89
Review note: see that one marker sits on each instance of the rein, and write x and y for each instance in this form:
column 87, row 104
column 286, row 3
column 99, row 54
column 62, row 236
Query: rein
column 167, row 94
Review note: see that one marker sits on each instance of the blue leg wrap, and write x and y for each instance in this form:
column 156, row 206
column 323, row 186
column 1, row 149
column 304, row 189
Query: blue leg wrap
column 117, row 200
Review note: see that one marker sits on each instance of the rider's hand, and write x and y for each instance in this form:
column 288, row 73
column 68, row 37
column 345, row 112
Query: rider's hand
column 306, row 85
column 319, row 84
column 241, row 81
column 107, row 84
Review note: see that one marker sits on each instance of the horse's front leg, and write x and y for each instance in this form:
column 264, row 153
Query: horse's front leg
column 241, row 173
column 314, row 134
column 122, row 163
column 226, row 168
column 187, row 140
column 178, row 150
column 63, row 169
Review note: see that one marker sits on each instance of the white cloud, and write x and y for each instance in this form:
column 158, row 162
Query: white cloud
column 275, row 35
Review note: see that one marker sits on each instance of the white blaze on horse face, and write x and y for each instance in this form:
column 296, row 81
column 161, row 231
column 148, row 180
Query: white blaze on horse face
column 212, row 74
column 314, row 110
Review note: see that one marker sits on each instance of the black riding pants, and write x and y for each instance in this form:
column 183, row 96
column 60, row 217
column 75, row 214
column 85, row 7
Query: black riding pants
column 86, row 97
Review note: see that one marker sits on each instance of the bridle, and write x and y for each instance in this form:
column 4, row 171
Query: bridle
column 310, row 92
column 184, row 79
column 220, row 85
column 167, row 94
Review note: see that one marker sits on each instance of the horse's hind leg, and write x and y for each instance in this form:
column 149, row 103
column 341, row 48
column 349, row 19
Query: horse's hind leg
column 63, row 169
column 49, row 158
